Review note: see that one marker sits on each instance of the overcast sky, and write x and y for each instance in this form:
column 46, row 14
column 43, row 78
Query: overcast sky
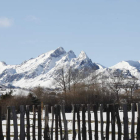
column 107, row 30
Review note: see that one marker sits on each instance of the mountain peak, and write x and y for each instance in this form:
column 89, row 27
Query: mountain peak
column 59, row 51
column 83, row 55
column 71, row 53
column 2, row 63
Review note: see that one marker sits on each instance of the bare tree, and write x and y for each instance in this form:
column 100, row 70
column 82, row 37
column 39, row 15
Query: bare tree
column 117, row 82
column 77, row 78
column 61, row 80
column 132, row 85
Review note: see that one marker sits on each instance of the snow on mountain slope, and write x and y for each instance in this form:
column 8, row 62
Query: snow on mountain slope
column 127, row 69
column 44, row 69
column 66, row 59
column 130, row 66
column 100, row 66
column 2, row 64
column 82, row 61
column 127, row 65
column 48, row 59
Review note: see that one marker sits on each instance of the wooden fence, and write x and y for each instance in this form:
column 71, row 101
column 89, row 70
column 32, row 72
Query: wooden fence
column 111, row 128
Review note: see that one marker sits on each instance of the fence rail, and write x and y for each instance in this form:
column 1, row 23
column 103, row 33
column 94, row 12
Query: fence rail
column 85, row 122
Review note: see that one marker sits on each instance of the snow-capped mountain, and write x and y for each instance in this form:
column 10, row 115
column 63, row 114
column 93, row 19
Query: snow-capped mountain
column 130, row 67
column 127, row 71
column 44, row 69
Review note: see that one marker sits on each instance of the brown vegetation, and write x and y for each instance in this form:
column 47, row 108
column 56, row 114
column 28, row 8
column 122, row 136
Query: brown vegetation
column 75, row 91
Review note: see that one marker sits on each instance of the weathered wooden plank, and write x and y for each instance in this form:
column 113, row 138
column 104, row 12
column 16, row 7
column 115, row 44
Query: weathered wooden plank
column 78, row 121
column 15, row 123
column 125, row 121
column 133, row 121
column 102, row 123
column 118, row 121
column 89, row 122
column 138, row 121
column 73, row 123
column 28, row 122
column 83, row 123
column 1, row 132
column 113, row 121
column 22, row 124
column 42, row 107
column 60, row 123
column 107, row 121
column 65, row 123
column 56, row 122
column 46, row 129
column 95, row 109
column 8, row 124
column 34, row 122
column 52, row 111
column 39, row 123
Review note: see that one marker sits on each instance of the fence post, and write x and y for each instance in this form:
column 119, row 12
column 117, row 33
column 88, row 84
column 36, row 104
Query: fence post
column 65, row 122
column 60, row 125
column 15, row 123
column 118, row 121
column 107, row 121
column 22, row 126
column 28, row 122
column 78, row 121
column 138, row 121
column 52, row 111
column 113, row 121
column 83, row 123
column 73, row 123
column 125, row 120
column 56, row 122
column 95, row 109
column 1, row 133
column 133, row 121
column 39, row 123
column 46, row 129
column 42, row 107
column 89, row 122
column 102, row 123
column 34, row 122
column 8, row 124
